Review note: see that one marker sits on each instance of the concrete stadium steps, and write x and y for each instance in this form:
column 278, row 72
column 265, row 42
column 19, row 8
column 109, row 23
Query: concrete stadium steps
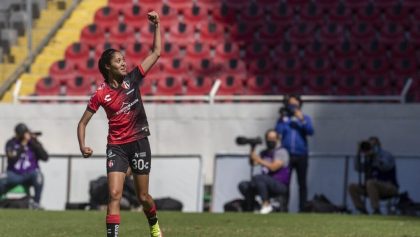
column 67, row 34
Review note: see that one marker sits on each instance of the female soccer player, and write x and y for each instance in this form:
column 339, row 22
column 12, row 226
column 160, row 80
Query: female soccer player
column 128, row 146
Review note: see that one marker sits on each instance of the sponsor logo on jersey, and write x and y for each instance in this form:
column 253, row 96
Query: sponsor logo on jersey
column 107, row 98
column 125, row 108
column 130, row 91
column 125, row 85
column 110, row 163
column 139, row 155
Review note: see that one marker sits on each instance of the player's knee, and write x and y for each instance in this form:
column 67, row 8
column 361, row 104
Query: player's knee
column 115, row 194
column 144, row 197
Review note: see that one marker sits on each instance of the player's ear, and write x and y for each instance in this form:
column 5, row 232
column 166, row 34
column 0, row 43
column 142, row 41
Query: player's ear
column 108, row 67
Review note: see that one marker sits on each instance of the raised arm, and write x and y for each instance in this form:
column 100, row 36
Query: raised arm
column 81, row 130
column 157, row 44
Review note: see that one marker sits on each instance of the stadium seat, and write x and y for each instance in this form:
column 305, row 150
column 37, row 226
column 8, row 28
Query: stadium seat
column 297, row 4
column 347, row 66
column 181, row 34
column 391, row 34
column 399, row 14
column 289, row 84
column 312, row 13
column 90, row 70
column 224, row 14
column 259, row 85
column 77, row 53
column 231, row 85
column 147, row 84
column 120, row 5
column 261, row 66
column 319, row 65
column 412, row 4
column 415, row 35
column 386, row 4
column 345, row 49
column 316, row 49
column 100, row 48
column 203, row 66
column 282, row 15
column 403, row 49
column 289, row 65
column 136, row 52
column 170, row 85
column 302, row 34
column 106, row 17
column 376, row 66
column 235, row 4
column 197, row 51
column 373, row 49
column 122, row 34
column 179, row 5
column 199, row 85
column 271, row 34
column 327, row 5
column 193, row 14
column 405, row 66
column 168, row 17
column 226, row 51
column 78, row 86
column 135, row 16
column 285, row 50
column 369, row 13
column 242, row 33
column 349, row 84
column 268, row 5
column 169, row 51
column 355, row 4
column 252, row 15
column 319, row 84
column 378, row 85
column 61, row 69
column 149, row 5
column 256, row 50
column 341, row 15
column 233, row 66
column 332, row 34
column 92, row 35
column 47, row 86
column 362, row 32
column 210, row 32
column 147, row 34
column 176, row 67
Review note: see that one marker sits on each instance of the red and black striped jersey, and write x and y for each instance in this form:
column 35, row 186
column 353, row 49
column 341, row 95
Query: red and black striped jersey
column 124, row 108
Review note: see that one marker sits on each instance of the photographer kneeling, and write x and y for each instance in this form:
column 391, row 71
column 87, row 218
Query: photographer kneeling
column 274, row 180
column 378, row 167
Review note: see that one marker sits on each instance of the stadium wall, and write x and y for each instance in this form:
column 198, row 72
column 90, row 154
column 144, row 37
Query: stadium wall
column 211, row 129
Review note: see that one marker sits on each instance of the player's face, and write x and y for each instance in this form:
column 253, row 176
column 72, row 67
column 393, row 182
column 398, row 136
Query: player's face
column 118, row 65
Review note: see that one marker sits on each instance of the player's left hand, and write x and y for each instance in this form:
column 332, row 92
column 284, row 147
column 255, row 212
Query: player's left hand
column 153, row 17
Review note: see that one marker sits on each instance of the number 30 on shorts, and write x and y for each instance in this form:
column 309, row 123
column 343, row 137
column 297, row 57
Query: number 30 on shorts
column 139, row 164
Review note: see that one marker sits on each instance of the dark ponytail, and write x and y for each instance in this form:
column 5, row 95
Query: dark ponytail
column 105, row 59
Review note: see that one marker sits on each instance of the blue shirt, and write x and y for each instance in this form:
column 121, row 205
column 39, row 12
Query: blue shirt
column 294, row 134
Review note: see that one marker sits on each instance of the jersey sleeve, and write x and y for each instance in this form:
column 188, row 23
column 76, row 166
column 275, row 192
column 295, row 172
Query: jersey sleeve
column 94, row 103
column 137, row 74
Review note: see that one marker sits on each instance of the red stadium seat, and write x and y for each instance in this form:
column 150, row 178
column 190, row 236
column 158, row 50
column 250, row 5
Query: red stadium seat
column 328, row 5
column 150, row 5
column 261, row 66
column 316, row 49
column 122, row 34
column 168, row 17
column 403, row 49
column 253, row 15
column 341, row 15
column 332, row 34
column 289, row 84
column 170, row 85
column 415, row 35
column 362, row 32
column 271, row 34
column 348, row 66
column 297, row 3
column 47, row 86
column 242, row 33
column 369, row 13
column 302, row 34
column 224, row 14
column 290, row 65
column 391, row 34
column 373, row 49
column 226, row 51
column 413, row 4
column 286, row 50
column 136, row 52
column 106, row 17
column 345, row 49
column 259, row 85
column 197, row 51
column 268, row 5
column 193, row 14
column 176, row 67
column 78, row 86
column 181, row 34
column 92, row 35
column 135, row 16
column 100, row 48
column 256, row 50
column 235, row 4
column 146, row 85
column 179, row 5
column 61, row 69
column 378, row 85
column 119, row 4
column 386, row 4
column 282, row 15
column 77, row 53
column 399, row 14
column 319, row 65
column 405, row 66
column 209, row 4
column 89, row 70
column 319, row 84
column 376, row 66
column 169, row 52
column 203, row 66
column 200, row 85
column 233, row 66
column 211, row 33
column 231, row 85
column 356, row 4
column 349, row 85
column 312, row 13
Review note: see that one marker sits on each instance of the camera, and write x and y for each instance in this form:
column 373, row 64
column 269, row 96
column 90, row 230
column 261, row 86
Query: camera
column 253, row 141
column 365, row 146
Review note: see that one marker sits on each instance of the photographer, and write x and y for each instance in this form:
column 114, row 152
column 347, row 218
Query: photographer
column 294, row 127
column 378, row 167
column 23, row 152
column 275, row 176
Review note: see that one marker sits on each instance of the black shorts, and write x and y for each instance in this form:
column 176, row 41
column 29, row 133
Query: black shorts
column 135, row 154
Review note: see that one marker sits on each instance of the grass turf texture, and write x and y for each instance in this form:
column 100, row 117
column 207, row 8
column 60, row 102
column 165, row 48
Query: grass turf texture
column 91, row 223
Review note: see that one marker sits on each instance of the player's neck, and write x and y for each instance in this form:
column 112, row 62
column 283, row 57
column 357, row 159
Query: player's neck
column 115, row 81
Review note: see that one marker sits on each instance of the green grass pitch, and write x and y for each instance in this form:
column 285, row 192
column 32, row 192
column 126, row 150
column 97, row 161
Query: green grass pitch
column 23, row 223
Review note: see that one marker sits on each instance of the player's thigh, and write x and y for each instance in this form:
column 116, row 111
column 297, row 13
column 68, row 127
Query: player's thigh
column 141, row 183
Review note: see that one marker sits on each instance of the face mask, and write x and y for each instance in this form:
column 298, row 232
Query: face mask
column 271, row 145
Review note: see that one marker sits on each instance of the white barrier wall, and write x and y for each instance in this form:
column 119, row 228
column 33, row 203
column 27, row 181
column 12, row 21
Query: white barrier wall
column 209, row 129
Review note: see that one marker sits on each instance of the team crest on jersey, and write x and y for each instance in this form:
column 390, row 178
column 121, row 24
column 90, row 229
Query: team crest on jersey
column 110, row 163
column 125, row 85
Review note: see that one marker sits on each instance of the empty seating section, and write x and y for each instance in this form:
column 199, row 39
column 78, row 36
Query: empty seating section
column 323, row 47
